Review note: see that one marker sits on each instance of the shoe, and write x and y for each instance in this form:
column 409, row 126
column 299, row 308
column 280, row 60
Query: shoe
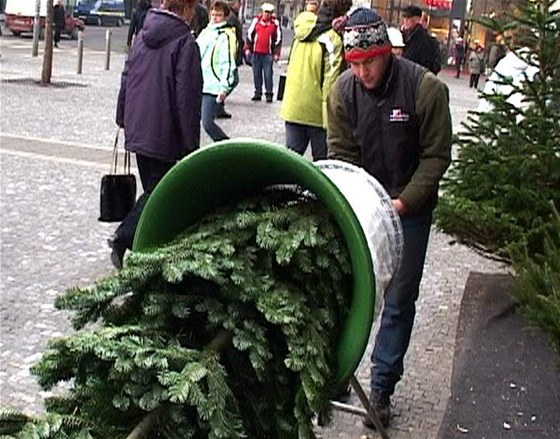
column 382, row 405
column 223, row 115
column 268, row 98
column 117, row 252
column 256, row 97
column 56, row 45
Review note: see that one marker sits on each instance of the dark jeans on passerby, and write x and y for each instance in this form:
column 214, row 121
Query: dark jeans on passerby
column 458, row 67
column 298, row 136
column 57, row 32
column 473, row 81
column 399, row 307
column 209, row 106
column 151, row 171
column 262, row 66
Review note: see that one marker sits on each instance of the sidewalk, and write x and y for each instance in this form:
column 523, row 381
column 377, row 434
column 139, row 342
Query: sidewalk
column 51, row 238
column 505, row 381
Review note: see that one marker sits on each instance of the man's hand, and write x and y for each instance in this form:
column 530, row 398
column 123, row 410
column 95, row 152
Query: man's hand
column 276, row 58
column 399, row 206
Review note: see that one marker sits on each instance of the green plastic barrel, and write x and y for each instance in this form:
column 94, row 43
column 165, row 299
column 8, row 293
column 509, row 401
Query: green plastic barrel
column 231, row 170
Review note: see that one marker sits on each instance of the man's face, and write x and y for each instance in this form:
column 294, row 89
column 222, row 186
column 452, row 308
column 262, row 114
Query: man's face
column 370, row 71
column 217, row 16
column 266, row 15
column 410, row 22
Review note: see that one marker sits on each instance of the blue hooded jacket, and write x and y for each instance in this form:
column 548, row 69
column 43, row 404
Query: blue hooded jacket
column 161, row 90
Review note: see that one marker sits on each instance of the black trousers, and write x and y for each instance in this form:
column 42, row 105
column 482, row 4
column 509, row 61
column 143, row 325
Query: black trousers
column 151, row 171
column 473, row 81
column 57, row 31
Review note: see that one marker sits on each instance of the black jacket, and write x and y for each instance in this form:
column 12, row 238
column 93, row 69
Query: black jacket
column 137, row 19
column 59, row 16
column 200, row 19
column 422, row 48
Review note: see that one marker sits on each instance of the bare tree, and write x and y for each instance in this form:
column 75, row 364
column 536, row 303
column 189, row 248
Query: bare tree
column 48, row 54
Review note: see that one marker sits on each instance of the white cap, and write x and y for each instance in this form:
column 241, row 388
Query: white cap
column 267, row 7
column 395, row 36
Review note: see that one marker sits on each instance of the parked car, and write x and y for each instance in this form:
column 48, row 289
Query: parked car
column 100, row 12
column 20, row 14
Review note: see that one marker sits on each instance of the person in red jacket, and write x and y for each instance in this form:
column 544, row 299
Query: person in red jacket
column 264, row 40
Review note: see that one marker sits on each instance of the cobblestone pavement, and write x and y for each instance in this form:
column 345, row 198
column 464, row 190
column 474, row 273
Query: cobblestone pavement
column 55, row 145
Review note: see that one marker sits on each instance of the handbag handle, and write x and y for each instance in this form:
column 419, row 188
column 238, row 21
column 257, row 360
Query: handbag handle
column 115, row 160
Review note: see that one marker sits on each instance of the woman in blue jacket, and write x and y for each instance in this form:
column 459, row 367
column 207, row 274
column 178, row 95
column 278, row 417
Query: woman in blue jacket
column 218, row 46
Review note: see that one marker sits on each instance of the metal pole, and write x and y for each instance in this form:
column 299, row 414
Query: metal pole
column 36, row 28
column 370, row 410
column 80, row 51
column 107, row 49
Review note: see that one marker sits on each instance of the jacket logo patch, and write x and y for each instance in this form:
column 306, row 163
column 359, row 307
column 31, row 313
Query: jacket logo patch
column 398, row 115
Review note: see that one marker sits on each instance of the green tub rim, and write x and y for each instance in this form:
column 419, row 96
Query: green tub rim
column 233, row 169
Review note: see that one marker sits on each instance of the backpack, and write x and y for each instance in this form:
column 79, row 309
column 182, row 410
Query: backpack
column 231, row 35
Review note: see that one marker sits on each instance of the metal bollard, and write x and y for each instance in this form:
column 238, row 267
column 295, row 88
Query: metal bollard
column 36, row 29
column 80, row 51
column 108, row 49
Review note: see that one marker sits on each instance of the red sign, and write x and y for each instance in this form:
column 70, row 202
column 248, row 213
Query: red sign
column 439, row 4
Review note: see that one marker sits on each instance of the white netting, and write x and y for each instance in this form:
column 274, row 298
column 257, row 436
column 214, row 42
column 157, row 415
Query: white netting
column 379, row 220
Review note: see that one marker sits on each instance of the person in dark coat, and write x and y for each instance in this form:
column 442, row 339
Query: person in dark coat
column 459, row 56
column 159, row 104
column 419, row 46
column 137, row 19
column 200, row 19
column 59, row 21
column 496, row 52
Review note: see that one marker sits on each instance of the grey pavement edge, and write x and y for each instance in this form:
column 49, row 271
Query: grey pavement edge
column 505, row 381
column 55, row 144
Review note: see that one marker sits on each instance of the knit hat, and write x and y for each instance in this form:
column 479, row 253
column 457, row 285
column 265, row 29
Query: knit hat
column 365, row 35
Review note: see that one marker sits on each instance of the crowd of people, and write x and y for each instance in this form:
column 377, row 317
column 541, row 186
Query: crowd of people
column 356, row 90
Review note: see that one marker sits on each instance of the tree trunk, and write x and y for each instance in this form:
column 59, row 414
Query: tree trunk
column 48, row 54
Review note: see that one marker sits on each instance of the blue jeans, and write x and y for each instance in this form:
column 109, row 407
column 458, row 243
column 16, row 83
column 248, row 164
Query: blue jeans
column 209, row 106
column 262, row 65
column 399, row 308
column 298, row 137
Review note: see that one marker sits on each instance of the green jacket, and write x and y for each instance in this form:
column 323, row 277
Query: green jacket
column 218, row 46
column 400, row 134
column 314, row 65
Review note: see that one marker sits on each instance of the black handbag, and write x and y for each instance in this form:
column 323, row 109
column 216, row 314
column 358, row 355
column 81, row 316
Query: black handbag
column 118, row 191
column 281, row 87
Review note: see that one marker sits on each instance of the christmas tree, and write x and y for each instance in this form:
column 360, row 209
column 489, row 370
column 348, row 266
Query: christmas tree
column 227, row 332
column 498, row 193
